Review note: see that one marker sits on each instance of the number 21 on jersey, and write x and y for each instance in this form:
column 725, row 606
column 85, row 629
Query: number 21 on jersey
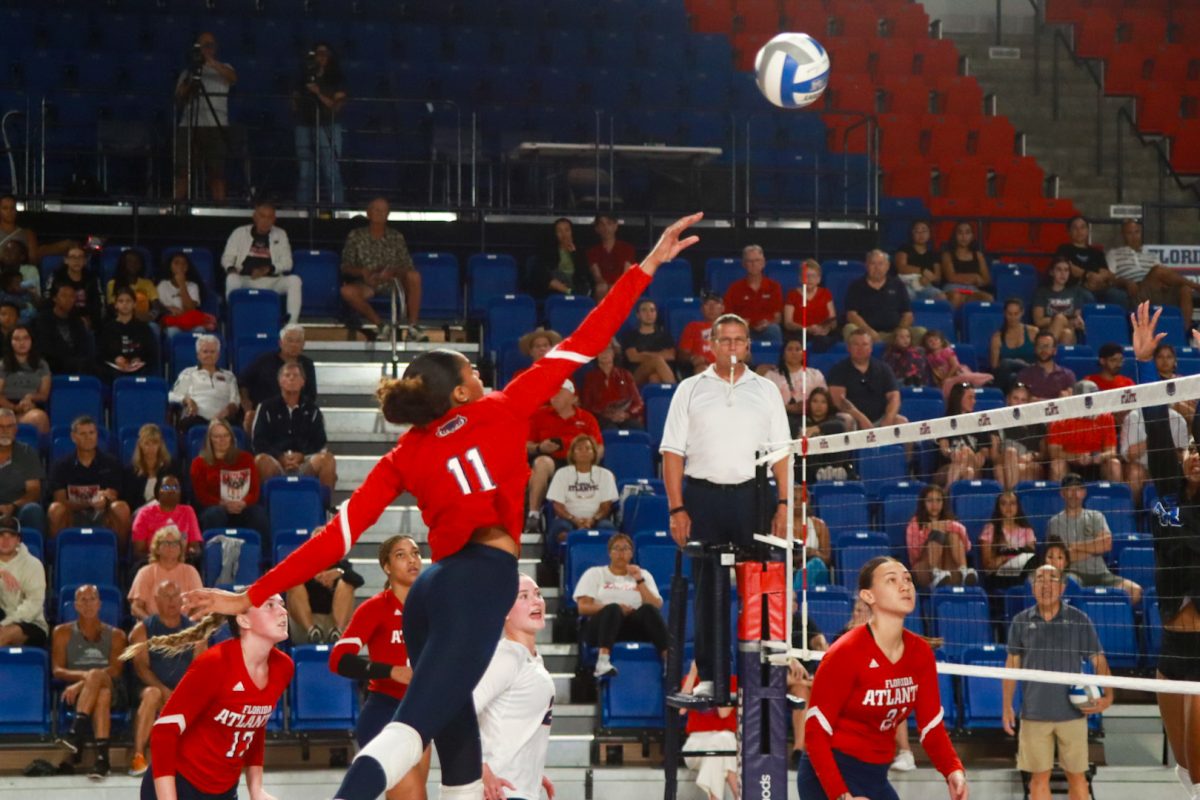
column 482, row 478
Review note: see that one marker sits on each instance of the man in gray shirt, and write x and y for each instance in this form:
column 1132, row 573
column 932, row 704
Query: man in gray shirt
column 1057, row 637
column 21, row 476
column 1087, row 537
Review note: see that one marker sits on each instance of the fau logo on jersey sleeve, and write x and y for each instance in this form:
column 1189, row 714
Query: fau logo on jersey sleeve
column 450, row 426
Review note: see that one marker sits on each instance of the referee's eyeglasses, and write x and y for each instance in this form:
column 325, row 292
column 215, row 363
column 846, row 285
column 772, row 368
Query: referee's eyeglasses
column 733, row 341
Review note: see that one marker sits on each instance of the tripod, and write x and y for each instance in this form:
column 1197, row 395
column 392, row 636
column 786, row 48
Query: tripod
column 196, row 88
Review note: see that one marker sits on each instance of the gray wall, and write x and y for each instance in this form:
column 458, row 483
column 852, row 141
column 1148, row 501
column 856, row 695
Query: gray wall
column 979, row 16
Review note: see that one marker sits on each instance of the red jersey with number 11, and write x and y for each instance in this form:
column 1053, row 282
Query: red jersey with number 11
column 859, row 698
column 468, row 469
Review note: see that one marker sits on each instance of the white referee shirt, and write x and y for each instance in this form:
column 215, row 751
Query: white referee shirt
column 514, row 701
column 717, row 427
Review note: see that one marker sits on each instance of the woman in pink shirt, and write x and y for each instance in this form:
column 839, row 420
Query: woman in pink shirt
column 938, row 543
column 166, row 509
column 166, row 564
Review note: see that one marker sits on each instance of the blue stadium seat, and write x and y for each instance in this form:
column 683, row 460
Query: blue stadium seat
column 489, row 275
column 73, row 396
column 837, row 275
column 830, row 607
column 112, row 604
column 655, row 553
column 989, row 398
column 247, row 349
column 960, row 616
column 202, row 259
column 1077, row 351
column 320, row 281
column 1015, row 280
column 1041, row 501
column 139, row 400
column 1137, row 564
column 84, row 555
column 851, row 556
column 627, row 454
column 321, row 700
column 983, row 702
column 294, row 503
column 34, row 542
column 898, row 502
column 919, row 403
column 657, row 407
column 1106, row 323
column 973, row 502
column 25, row 712
column 510, row 362
column 1016, row 600
column 509, row 317
column 967, row 357
column 979, row 322
column 441, row 285
column 1111, row 611
column 935, row 315
column 764, row 353
column 634, row 698
column 673, row 279
column 1170, row 322
column 679, row 311
column 841, row 504
column 283, row 543
column 182, row 351
column 785, row 272
column 1115, row 502
column 564, row 312
column 249, row 559
column 253, row 311
column 645, row 512
column 1120, row 541
column 720, row 272
column 584, row 549
column 881, row 466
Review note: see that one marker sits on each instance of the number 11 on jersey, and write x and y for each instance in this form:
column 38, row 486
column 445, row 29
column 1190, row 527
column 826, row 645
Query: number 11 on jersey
column 455, row 465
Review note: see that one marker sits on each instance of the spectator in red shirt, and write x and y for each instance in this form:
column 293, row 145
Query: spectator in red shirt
column 756, row 298
column 609, row 259
column 611, row 394
column 811, row 307
column 1111, row 358
column 648, row 347
column 695, row 343
column 1084, row 445
column 552, row 428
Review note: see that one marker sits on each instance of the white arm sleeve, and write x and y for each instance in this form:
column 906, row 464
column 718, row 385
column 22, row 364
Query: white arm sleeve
column 675, row 429
column 499, row 676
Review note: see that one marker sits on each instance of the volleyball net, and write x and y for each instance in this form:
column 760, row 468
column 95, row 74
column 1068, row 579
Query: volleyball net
column 974, row 505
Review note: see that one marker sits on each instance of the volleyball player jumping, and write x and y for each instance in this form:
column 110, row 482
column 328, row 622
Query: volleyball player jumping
column 1175, row 518
column 464, row 461
column 868, row 683
column 214, row 724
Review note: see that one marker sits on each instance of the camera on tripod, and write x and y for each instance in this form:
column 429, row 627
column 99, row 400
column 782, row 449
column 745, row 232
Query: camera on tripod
column 195, row 59
column 312, row 67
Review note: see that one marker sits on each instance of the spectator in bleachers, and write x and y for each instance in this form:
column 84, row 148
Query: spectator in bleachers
column 1087, row 264
column 84, row 655
column 13, row 291
column 648, row 346
column 1052, row 636
column 795, row 381
column 918, row 265
column 289, row 433
column 76, row 273
column 938, row 543
column 204, row 121
column 877, row 303
column 1167, row 366
column 126, row 345
column 816, row 540
column 1058, row 556
column 610, row 257
column 25, row 380
column 552, row 429
column 965, row 274
column 1133, row 447
column 1018, row 451
column 1142, row 276
column 864, row 387
column 561, row 266
column 22, row 590
column 620, row 602
column 965, row 456
column 321, row 607
column 180, row 292
column 167, row 508
column 1058, row 304
column 1111, row 357
column 1008, row 545
column 945, row 370
column 205, row 392
column 537, row 343
column 317, row 101
column 85, row 486
column 1084, row 445
column 582, row 493
column 10, row 229
column 1045, row 379
column 907, row 361
column 131, row 273
column 166, row 563
column 821, row 420
column 149, row 464
column 757, row 298
column 259, row 256
column 372, row 259
column 62, row 338
column 712, row 729
column 1012, row 347
column 819, row 317
column 695, row 342
column 159, row 674
column 1088, row 539
column 14, row 257
column 610, row 392
column 21, row 476
column 226, row 483
column 259, row 380
column 10, row 317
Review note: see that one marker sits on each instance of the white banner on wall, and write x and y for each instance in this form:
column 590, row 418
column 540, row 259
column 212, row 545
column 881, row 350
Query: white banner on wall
column 1176, row 255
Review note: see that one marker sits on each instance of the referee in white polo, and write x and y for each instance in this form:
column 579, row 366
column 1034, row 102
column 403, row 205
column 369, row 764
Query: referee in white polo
column 716, row 422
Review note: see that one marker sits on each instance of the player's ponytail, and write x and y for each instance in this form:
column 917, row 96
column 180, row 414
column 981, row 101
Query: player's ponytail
column 423, row 394
column 174, row 644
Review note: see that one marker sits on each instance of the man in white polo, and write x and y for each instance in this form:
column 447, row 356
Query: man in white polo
column 717, row 420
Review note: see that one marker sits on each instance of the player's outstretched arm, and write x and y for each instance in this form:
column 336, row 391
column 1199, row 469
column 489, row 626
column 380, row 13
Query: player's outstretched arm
column 199, row 602
column 669, row 244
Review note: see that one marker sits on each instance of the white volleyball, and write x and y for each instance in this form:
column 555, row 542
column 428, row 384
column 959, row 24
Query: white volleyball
column 792, row 70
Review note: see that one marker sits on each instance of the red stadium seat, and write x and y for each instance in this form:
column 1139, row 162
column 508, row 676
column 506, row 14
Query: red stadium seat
column 847, row 55
column 908, row 22
column 710, row 16
column 901, row 139
column 758, row 16
column 1158, row 108
column 1126, row 70
column 808, row 18
column 1020, row 178
column 1000, row 235
column 1096, row 34
column 852, row 93
column 906, row 95
column 837, row 139
column 746, row 45
column 963, row 178
column 857, row 20
column 907, row 180
column 1185, row 148
column 947, row 137
column 896, row 57
column 994, row 139
column 1174, row 63
column 1187, row 24
column 1144, row 27
column 937, row 57
column 961, row 96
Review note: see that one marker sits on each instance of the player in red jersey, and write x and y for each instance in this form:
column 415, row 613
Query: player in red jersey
column 378, row 625
column 215, row 722
column 868, row 683
column 464, row 461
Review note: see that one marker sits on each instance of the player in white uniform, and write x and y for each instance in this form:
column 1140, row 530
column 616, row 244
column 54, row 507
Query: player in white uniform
column 514, row 701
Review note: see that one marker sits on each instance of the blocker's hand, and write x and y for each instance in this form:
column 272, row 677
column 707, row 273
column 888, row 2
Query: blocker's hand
column 200, row 602
column 669, row 244
column 1144, row 337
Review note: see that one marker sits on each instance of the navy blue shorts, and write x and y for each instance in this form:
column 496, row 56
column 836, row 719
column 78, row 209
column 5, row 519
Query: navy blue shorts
column 862, row 779
column 184, row 790
column 376, row 712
